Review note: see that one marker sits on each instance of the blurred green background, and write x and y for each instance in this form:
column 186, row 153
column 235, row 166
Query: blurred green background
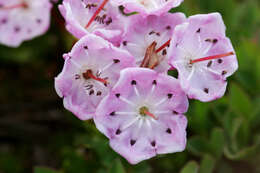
column 38, row 135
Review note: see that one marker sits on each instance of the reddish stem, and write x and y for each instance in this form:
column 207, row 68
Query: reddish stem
column 90, row 75
column 150, row 114
column 212, row 57
column 21, row 5
column 163, row 46
column 96, row 13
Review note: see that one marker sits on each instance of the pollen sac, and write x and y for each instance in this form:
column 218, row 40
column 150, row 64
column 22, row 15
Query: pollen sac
column 89, row 74
column 144, row 115
column 108, row 23
column 203, row 56
column 145, row 35
column 148, row 7
column 23, row 20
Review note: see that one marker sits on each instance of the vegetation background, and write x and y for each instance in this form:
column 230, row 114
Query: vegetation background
column 38, row 135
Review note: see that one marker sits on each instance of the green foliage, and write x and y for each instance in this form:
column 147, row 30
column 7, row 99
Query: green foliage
column 223, row 135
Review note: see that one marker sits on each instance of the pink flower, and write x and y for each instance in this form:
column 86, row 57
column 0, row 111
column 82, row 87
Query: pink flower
column 148, row 7
column 203, row 56
column 143, row 115
column 93, row 16
column 90, row 70
column 22, row 20
column 146, row 37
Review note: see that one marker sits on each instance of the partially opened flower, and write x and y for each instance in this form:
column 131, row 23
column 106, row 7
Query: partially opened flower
column 93, row 16
column 22, row 20
column 147, row 39
column 148, row 7
column 203, row 56
column 90, row 70
column 143, row 115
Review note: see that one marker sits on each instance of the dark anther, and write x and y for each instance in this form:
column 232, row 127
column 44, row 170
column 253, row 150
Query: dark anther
column 112, row 113
column 169, row 95
column 77, row 76
column 109, row 21
column 133, row 82
column 169, row 131
column 164, row 52
column 206, row 90
column 220, row 61
column 118, row 131
column 132, row 142
column 152, row 32
column 224, row 72
column 117, row 95
column 214, row 41
column 154, row 82
column 91, row 92
column 208, row 40
column 86, row 47
column 209, row 64
column 99, row 93
column 124, row 43
column 88, row 87
column 116, row 61
column 153, row 143
column 175, row 112
column 158, row 34
column 198, row 31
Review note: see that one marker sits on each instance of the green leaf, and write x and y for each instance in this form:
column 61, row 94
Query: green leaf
column 117, row 167
column 198, row 145
column 44, row 170
column 217, row 141
column 240, row 102
column 207, row 165
column 190, row 167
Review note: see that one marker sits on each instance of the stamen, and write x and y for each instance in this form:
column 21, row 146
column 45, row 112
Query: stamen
column 88, row 74
column 150, row 114
column 96, row 13
column 167, row 43
column 212, row 57
column 21, row 5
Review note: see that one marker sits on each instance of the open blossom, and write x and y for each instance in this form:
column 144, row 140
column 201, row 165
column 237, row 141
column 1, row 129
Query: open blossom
column 143, row 115
column 90, row 70
column 148, row 7
column 145, row 39
column 203, row 56
column 93, row 16
column 22, row 20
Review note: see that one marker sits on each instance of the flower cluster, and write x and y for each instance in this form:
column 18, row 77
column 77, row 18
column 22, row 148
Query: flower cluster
column 117, row 73
column 22, row 20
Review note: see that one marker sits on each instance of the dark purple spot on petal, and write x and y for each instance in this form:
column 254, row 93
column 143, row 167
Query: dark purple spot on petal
column 169, row 131
column 132, row 142
column 86, row 47
column 206, row 90
column 153, row 143
column 170, row 95
column 214, row 41
column 175, row 112
column 39, row 21
column 168, row 27
column 154, row 82
column 99, row 93
column 124, row 43
column 117, row 95
column 198, row 31
column 224, row 72
column 91, row 92
column 112, row 113
column 116, row 61
column 220, row 61
column 133, row 82
column 118, row 131
column 17, row 29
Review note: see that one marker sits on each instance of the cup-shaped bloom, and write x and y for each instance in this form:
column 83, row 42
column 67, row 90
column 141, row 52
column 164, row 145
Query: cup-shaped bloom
column 22, row 20
column 203, row 56
column 148, row 7
column 143, row 115
column 145, row 39
column 90, row 70
column 78, row 14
